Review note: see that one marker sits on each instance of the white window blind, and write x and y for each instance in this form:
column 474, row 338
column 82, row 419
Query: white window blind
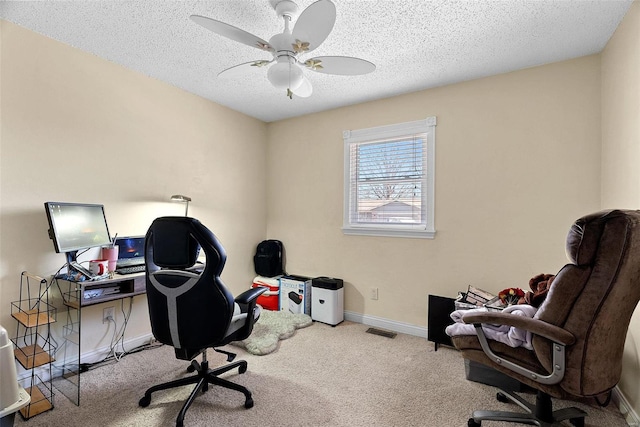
column 389, row 180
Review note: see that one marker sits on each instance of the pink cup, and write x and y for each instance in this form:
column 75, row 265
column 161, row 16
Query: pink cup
column 110, row 253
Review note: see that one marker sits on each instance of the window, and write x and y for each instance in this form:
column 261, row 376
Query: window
column 388, row 180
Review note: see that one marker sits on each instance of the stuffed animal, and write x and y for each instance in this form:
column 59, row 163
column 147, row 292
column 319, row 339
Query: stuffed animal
column 539, row 285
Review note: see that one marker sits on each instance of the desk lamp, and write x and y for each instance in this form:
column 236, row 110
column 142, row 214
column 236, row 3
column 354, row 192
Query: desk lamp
column 182, row 199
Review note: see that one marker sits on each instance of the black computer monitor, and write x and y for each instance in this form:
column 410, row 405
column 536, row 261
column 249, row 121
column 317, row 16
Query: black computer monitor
column 76, row 226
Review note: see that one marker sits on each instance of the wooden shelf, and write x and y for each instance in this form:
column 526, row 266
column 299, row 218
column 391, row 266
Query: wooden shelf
column 33, row 344
column 31, row 318
column 39, row 403
column 32, row 356
column 72, row 304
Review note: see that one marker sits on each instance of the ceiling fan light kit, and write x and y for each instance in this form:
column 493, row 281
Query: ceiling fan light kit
column 286, row 70
column 285, row 74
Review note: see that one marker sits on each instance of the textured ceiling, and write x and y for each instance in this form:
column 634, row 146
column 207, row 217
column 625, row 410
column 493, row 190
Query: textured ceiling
column 415, row 44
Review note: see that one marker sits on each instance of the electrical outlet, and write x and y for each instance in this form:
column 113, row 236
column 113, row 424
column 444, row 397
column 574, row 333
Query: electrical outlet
column 108, row 313
column 374, row 293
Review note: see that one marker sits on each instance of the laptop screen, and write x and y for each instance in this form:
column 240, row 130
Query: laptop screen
column 130, row 251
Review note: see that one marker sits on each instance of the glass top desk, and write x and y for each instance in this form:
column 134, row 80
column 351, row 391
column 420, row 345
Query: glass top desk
column 76, row 296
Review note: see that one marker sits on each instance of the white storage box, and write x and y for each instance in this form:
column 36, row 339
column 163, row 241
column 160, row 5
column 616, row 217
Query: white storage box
column 327, row 300
column 295, row 294
column 12, row 396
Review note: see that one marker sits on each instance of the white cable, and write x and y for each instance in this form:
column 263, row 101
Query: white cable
column 122, row 331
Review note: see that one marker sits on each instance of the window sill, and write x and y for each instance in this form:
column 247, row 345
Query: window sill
column 389, row 232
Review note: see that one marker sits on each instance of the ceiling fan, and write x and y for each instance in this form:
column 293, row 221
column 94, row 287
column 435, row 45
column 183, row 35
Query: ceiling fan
column 286, row 67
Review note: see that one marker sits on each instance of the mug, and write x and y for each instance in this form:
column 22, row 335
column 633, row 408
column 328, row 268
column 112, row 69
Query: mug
column 99, row 266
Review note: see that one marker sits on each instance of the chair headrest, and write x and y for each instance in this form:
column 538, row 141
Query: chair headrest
column 173, row 242
column 584, row 236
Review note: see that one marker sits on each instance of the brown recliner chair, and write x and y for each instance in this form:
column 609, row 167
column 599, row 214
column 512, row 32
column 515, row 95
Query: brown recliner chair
column 579, row 330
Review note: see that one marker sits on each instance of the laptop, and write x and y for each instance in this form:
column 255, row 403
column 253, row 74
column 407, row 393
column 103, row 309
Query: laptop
column 130, row 254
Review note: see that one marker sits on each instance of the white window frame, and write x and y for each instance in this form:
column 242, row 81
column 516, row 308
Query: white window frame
column 427, row 230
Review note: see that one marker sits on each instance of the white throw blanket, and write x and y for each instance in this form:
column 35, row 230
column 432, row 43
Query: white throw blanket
column 509, row 335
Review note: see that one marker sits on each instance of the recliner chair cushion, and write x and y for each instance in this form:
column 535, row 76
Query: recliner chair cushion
column 584, row 235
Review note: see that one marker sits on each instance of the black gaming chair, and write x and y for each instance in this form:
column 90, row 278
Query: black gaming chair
column 190, row 308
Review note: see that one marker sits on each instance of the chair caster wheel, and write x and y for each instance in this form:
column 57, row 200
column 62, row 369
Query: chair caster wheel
column 242, row 369
column 502, row 398
column 145, row 401
column 248, row 404
column 190, row 369
column 473, row 423
column 578, row 422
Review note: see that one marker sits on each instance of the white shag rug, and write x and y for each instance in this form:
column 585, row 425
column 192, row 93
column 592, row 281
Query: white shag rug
column 271, row 327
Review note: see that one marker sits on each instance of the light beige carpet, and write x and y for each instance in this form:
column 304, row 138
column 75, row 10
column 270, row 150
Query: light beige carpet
column 271, row 327
column 322, row 376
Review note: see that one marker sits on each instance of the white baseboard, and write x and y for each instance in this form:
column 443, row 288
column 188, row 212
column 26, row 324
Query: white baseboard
column 99, row 354
column 391, row 325
column 631, row 417
column 93, row 356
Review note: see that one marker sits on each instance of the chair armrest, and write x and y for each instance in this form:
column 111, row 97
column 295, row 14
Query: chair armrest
column 535, row 326
column 559, row 336
column 250, row 295
column 248, row 301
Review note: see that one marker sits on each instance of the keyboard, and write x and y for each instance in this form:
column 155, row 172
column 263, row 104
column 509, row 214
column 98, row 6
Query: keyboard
column 131, row 269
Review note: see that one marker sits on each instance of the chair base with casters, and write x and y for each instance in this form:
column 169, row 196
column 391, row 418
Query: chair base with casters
column 541, row 414
column 204, row 376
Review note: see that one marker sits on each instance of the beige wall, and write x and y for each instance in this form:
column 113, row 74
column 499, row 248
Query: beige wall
column 518, row 158
column 621, row 156
column 81, row 129
column 517, row 161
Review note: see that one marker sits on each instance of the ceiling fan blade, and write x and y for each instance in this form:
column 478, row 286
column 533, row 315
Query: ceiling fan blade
column 305, row 89
column 231, row 32
column 314, row 24
column 244, row 69
column 341, row 65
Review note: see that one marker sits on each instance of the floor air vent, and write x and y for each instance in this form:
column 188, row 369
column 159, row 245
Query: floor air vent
column 381, row 332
